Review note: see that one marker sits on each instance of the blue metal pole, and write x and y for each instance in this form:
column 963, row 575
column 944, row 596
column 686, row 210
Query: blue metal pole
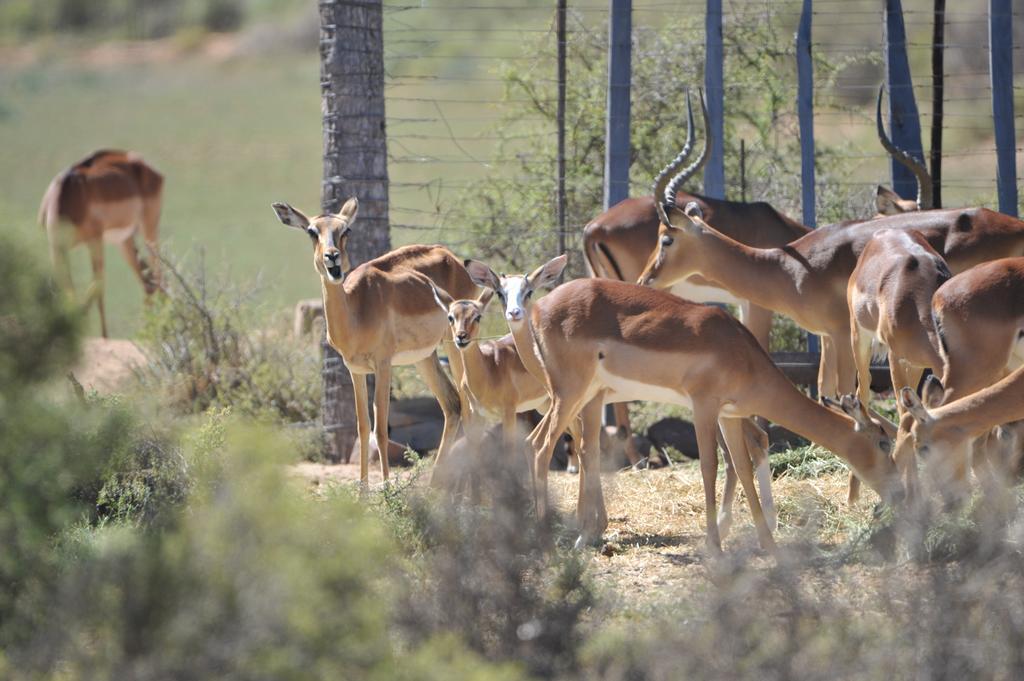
column 805, row 112
column 714, row 171
column 1000, row 41
column 616, row 159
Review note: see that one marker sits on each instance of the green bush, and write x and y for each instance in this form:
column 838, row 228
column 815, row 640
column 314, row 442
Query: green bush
column 206, row 349
column 511, row 213
column 49, row 454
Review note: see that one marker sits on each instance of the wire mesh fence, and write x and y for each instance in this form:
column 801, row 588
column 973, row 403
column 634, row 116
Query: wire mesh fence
column 458, row 115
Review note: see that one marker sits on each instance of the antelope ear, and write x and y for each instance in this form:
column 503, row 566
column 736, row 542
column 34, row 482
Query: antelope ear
column 547, row 274
column 933, row 392
column 441, row 297
column 484, row 298
column 293, row 217
column 349, row 210
column 482, row 275
column 912, row 403
column 887, row 202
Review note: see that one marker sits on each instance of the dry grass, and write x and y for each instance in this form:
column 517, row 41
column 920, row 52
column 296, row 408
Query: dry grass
column 655, row 536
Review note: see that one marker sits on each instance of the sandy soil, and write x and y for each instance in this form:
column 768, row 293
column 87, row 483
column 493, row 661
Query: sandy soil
column 107, row 364
column 654, row 544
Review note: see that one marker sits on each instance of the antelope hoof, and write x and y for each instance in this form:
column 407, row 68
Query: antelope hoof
column 572, row 469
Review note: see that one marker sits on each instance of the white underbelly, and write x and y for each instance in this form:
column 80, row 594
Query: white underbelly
column 411, row 356
column 626, row 390
column 118, row 235
column 703, row 294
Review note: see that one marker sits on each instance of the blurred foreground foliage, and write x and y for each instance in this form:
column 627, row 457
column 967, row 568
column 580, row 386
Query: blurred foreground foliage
column 137, row 543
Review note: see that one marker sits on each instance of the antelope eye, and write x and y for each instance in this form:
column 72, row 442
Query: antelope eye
column 886, row 446
column 667, row 240
column 451, row 319
column 528, row 294
column 477, row 320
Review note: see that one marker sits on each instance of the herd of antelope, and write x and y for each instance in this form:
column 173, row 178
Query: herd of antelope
column 934, row 289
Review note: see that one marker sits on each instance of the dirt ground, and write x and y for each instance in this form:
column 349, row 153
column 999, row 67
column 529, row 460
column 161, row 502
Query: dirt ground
column 654, row 544
column 107, row 364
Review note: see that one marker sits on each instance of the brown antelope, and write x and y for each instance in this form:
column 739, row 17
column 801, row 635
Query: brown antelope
column 382, row 314
column 945, row 432
column 494, row 381
column 105, row 197
column 979, row 316
column 979, row 320
column 599, row 340
column 618, row 242
column 807, row 280
column 890, row 301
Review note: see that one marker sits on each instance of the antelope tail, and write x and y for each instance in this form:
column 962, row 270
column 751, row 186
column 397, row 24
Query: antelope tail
column 49, row 208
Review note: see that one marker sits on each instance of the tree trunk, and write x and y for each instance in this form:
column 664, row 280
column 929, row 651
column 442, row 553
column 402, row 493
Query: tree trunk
column 355, row 164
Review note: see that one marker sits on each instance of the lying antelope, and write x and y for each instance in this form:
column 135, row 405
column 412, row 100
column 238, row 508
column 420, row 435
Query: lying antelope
column 105, row 197
column 602, row 341
column 382, row 314
column 494, row 381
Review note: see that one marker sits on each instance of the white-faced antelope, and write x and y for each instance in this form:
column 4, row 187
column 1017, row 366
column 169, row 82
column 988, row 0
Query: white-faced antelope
column 495, row 384
column 106, row 197
column 601, row 341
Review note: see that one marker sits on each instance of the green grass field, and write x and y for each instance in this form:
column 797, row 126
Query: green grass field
column 230, row 138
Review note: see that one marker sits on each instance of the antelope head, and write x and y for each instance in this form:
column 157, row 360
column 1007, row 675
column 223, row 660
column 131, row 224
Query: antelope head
column 673, row 259
column 666, row 186
column 869, row 423
column 464, row 316
column 516, row 290
column 329, row 234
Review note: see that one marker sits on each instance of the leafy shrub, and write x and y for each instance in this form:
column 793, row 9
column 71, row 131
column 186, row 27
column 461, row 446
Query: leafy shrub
column 48, row 454
column 491, row 576
column 513, row 219
column 206, row 350
column 223, row 15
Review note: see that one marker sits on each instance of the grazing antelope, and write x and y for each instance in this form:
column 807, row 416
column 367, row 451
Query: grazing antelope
column 979, row 319
column 945, row 432
column 808, row 279
column 618, row 242
column 382, row 314
column 105, row 197
column 599, row 341
column 494, row 381
column 979, row 316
